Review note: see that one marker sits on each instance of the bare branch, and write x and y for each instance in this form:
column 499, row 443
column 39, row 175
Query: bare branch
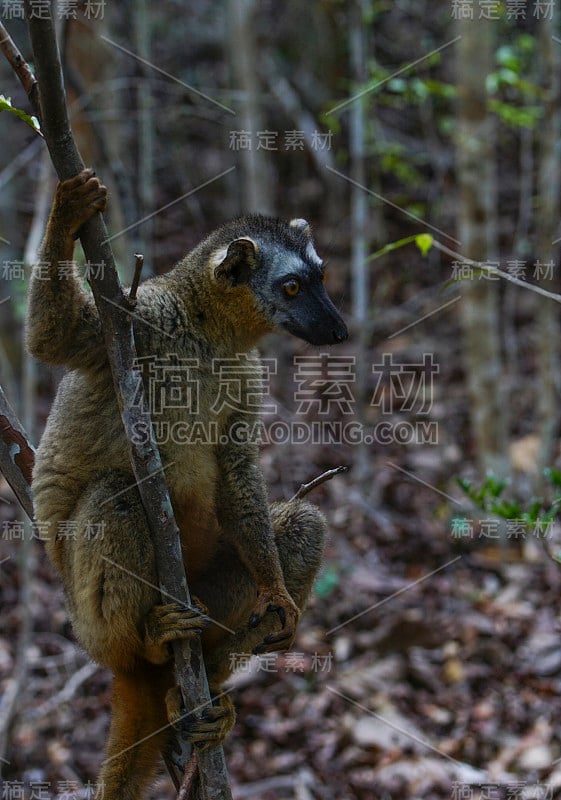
column 495, row 271
column 325, row 476
column 17, row 455
column 136, row 280
column 21, row 68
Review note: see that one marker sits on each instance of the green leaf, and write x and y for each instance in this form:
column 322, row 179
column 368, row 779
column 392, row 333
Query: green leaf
column 508, row 76
column 553, row 476
column 508, row 57
column 397, row 85
column 424, row 242
column 506, row 509
column 494, row 485
column 6, row 105
column 391, row 246
column 327, row 582
column 440, row 89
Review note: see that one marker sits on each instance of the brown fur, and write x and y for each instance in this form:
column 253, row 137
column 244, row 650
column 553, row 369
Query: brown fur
column 242, row 558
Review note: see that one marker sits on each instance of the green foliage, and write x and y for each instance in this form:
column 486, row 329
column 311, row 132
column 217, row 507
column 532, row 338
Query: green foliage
column 327, row 581
column 513, row 98
column 489, row 498
column 395, row 160
column 514, row 117
column 6, row 105
column 417, row 90
column 423, row 241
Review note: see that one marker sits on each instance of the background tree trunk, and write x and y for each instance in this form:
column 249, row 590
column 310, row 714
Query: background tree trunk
column 359, row 223
column 145, row 232
column 547, row 230
column 256, row 193
column 477, row 226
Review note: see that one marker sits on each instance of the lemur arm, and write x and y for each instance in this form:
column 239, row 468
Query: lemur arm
column 63, row 324
column 243, row 513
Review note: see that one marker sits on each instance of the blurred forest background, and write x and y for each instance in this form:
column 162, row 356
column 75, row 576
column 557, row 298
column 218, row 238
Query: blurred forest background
column 421, row 141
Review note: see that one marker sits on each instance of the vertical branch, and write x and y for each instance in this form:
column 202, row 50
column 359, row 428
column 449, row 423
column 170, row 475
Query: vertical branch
column 547, row 221
column 256, row 195
column 359, row 219
column 142, row 18
column 117, row 327
column 478, row 233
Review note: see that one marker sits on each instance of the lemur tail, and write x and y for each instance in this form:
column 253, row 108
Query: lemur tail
column 138, row 733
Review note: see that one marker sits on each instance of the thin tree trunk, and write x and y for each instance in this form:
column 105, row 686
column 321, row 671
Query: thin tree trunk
column 256, row 192
column 478, row 234
column 547, row 230
column 143, row 33
column 359, row 224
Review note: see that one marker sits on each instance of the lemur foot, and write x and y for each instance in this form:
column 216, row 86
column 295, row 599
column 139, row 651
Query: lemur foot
column 171, row 621
column 206, row 727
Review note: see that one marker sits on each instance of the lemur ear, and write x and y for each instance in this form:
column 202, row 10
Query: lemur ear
column 304, row 226
column 301, row 225
column 234, row 264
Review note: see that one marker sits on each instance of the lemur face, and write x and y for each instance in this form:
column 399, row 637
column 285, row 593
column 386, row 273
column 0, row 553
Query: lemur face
column 279, row 264
column 301, row 303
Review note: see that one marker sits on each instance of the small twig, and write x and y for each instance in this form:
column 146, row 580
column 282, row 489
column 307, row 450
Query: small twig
column 136, row 280
column 17, row 455
column 20, row 67
column 499, row 273
column 325, row 476
column 170, row 766
column 548, row 553
column 190, row 779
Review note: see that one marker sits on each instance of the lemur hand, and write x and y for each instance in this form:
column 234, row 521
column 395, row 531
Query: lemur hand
column 281, row 603
column 78, row 199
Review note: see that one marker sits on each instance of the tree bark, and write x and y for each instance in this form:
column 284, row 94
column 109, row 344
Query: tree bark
column 547, row 225
column 359, row 226
column 256, row 192
column 478, row 235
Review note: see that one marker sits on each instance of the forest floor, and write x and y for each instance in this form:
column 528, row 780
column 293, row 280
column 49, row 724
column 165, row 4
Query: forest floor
column 426, row 666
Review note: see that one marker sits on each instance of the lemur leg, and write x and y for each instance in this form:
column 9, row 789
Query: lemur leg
column 228, row 590
column 117, row 616
column 114, row 602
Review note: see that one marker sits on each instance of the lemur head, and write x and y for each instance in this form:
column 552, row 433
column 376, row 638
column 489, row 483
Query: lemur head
column 278, row 263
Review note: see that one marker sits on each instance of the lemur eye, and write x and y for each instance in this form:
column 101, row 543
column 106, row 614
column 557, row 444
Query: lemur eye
column 291, row 287
column 323, row 275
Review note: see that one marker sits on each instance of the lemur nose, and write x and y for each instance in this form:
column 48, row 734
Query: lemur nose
column 341, row 335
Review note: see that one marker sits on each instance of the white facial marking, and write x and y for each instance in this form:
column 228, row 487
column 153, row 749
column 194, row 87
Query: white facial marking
column 312, row 256
column 300, row 224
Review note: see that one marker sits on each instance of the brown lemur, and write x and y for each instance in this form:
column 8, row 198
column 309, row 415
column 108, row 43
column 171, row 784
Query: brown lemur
column 250, row 566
